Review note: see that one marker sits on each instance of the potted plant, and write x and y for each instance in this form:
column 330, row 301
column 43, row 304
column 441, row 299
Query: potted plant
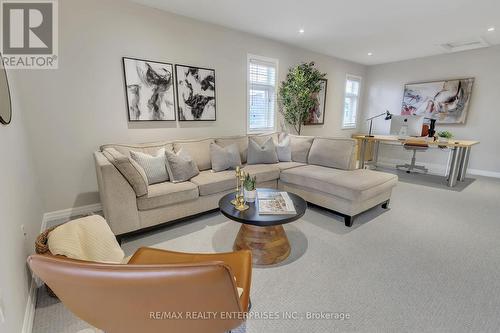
column 298, row 94
column 444, row 136
column 249, row 188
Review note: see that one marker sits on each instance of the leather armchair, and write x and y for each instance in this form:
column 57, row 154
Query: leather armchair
column 157, row 291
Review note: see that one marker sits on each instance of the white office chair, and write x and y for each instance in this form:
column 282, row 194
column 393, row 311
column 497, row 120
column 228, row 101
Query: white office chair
column 412, row 165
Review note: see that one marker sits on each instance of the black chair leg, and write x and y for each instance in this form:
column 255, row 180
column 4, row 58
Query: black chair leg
column 348, row 220
column 385, row 205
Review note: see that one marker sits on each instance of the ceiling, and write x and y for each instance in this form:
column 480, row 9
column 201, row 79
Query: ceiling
column 392, row 30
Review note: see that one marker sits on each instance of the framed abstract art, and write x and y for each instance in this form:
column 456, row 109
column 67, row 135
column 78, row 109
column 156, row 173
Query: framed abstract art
column 196, row 96
column 149, row 87
column 446, row 101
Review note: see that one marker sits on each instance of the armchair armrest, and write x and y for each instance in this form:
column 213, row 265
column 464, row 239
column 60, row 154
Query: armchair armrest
column 240, row 263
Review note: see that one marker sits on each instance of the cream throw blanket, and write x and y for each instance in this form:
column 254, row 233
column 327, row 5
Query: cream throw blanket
column 89, row 238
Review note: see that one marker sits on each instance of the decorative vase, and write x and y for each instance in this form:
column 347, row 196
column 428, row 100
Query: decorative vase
column 250, row 195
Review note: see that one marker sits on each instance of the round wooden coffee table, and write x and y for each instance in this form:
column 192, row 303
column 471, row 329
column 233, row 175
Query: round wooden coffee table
column 262, row 234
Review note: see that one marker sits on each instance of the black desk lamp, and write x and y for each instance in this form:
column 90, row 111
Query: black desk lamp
column 387, row 115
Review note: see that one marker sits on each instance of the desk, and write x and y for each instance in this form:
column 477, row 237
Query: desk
column 459, row 159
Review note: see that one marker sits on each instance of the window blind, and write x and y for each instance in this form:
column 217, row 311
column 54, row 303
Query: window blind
column 261, row 95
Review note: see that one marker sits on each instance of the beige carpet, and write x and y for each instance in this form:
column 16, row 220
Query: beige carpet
column 429, row 264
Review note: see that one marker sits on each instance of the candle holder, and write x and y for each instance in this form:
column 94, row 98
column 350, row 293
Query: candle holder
column 238, row 176
column 240, row 197
column 240, row 203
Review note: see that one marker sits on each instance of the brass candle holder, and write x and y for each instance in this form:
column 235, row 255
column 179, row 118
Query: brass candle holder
column 238, row 176
column 240, row 205
column 240, row 198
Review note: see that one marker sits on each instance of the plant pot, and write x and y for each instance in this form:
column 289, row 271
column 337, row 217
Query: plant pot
column 441, row 139
column 250, row 195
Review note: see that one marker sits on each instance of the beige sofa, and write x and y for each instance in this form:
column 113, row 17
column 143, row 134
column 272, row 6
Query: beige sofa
column 322, row 171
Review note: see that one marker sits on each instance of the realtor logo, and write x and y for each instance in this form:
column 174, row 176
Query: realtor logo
column 29, row 34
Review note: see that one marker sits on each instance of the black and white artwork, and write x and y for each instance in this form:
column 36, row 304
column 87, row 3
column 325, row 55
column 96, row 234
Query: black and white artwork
column 150, row 90
column 195, row 93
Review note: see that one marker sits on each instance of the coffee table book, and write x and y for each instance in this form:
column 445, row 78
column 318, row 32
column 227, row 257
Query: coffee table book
column 275, row 203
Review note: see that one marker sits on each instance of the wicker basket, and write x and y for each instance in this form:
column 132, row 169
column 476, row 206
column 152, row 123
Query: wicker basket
column 41, row 247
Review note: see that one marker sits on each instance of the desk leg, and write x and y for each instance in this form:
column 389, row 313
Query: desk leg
column 362, row 154
column 452, row 173
column 375, row 157
column 464, row 163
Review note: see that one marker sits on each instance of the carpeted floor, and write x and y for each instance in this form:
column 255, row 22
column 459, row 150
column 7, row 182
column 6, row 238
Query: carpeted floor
column 429, row 264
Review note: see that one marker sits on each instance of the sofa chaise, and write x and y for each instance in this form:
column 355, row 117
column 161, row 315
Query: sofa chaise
column 322, row 171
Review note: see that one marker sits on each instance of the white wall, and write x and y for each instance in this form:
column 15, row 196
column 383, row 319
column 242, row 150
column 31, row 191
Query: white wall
column 385, row 91
column 82, row 105
column 20, row 204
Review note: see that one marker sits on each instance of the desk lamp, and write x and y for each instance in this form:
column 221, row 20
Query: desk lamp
column 387, row 115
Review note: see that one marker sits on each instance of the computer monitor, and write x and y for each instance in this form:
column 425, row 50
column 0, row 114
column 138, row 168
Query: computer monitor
column 407, row 125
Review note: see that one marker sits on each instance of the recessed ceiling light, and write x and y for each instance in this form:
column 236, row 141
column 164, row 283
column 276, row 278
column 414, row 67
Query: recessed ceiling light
column 370, row 54
column 301, row 31
column 491, row 29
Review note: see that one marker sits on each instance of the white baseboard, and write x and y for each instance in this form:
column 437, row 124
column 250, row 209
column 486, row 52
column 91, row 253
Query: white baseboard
column 68, row 213
column 484, row 173
column 29, row 314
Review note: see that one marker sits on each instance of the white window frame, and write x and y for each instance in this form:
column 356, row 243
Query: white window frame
column 276, row 63
column 358, row 106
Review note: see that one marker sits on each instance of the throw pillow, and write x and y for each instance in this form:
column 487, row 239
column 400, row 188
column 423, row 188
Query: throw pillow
column 284, row 149
column 224, row 158
column 300, row 147
column 130, row 169
column 262, row 154
column 181, row 166
column 154, row 166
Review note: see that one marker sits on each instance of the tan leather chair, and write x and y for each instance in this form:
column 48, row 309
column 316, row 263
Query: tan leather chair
column 158, row 291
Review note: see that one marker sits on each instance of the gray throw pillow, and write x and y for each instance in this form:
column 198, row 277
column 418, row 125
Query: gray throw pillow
column 262, row 154
column 181, row 166
column 300, row 147
column 224, row 158
column 130, row 169
column 284, row 149
column 154, row 166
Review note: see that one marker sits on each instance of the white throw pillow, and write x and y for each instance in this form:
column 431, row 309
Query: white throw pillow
column 154, row 166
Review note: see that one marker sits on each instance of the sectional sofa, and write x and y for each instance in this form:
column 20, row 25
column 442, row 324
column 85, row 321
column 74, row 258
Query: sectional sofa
column 322, row 171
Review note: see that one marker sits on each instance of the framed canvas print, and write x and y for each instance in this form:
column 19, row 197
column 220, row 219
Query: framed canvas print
column 446, row 101
column 317, row 114
column 195, row 93
column 149, row 89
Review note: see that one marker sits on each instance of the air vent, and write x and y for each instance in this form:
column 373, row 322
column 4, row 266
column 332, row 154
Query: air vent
column 465, row 45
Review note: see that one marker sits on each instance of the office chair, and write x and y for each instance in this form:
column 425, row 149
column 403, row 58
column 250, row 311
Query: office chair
column 414, row 146
column 141, row 295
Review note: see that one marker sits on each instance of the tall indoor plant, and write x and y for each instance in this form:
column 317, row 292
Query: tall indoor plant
column 298, row 94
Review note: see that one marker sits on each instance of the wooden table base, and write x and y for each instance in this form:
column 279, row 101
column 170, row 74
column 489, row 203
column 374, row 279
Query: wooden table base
column 269, row 245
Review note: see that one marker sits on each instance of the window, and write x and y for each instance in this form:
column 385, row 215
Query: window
column 261, row 94
column 351, row 102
